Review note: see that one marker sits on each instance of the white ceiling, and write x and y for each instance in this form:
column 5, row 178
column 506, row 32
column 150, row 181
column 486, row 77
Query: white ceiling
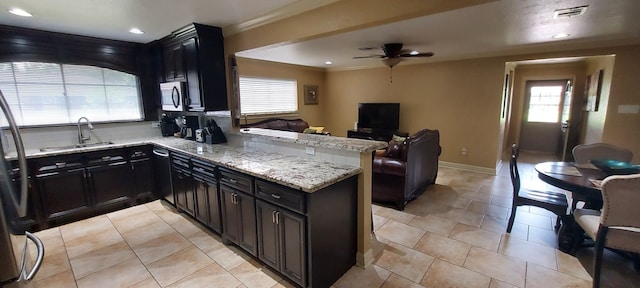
column 498, row 28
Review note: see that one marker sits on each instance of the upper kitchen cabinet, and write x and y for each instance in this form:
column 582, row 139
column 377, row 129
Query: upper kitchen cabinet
column 195, row 54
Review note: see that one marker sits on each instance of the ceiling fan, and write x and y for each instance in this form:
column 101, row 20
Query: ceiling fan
column 393, row 54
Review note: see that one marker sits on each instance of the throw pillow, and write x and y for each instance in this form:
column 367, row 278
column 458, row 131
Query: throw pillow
column 318, row 129
column 309, row 131
column 398, row 138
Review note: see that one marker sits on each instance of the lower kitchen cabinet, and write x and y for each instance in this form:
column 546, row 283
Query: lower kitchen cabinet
column 207, row 203
column 143, row 174
column 282, row 241
column 183, row 190
column 61, row 188
column 238, row 218
column 109, row 179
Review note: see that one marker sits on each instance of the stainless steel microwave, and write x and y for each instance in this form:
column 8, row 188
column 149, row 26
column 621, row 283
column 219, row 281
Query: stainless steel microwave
column 173, row 96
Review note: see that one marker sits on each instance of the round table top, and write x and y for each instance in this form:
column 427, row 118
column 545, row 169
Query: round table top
column 568, row 176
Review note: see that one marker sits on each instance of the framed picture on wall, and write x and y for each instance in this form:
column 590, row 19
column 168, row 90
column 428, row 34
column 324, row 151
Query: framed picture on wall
column 593, row 90
column 310, row 94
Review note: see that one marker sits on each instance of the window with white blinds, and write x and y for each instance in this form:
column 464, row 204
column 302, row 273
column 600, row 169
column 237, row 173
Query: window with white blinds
column 268, row 95
column 50, row 93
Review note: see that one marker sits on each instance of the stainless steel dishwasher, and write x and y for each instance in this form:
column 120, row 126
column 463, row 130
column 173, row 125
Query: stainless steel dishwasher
column 162, row 171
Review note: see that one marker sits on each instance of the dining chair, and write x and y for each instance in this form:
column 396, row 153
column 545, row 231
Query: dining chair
column 553, row 201
column 584, row 153
column 617, row 226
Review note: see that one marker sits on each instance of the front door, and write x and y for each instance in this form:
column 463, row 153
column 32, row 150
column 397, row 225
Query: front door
column 541, row 123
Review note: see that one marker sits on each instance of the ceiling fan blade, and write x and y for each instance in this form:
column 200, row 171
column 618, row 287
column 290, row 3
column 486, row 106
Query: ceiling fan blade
column 425, row 54
column 370, row 56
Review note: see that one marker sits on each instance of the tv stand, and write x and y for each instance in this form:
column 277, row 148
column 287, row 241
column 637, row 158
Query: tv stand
column 374, row 134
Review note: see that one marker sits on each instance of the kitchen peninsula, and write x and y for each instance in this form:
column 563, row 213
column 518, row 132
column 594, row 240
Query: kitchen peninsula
column 272, row 176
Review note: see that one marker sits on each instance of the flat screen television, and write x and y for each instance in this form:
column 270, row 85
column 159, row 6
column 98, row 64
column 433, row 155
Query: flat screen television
column 379, row 116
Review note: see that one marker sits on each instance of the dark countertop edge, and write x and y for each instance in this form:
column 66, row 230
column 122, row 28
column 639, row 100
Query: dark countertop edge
column 132, row 143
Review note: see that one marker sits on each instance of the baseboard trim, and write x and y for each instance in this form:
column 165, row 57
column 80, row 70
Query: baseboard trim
column 471, row 168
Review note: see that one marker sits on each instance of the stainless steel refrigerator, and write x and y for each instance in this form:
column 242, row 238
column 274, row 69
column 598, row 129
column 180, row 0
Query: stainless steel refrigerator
column 21, row 252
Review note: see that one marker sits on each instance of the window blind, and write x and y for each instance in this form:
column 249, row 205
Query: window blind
column 268, row 95
column 51, row 93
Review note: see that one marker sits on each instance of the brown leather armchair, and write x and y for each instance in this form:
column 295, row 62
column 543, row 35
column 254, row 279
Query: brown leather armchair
column 405, row 169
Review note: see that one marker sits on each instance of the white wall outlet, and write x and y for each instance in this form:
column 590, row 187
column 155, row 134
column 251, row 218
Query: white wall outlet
column 464, row 151
column 155, row 124
column 310, row 150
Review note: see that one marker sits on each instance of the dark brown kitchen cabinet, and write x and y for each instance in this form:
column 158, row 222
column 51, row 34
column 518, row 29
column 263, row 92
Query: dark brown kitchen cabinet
column 195, row 54
column 182, row 183
column 282, row 241
column 62, row 188
column 238, row 211
column 173, row 63
column 206, row 192
column 109, row 179
column 143, row 174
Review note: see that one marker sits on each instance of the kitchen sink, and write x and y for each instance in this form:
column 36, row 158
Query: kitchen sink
column 75, row 146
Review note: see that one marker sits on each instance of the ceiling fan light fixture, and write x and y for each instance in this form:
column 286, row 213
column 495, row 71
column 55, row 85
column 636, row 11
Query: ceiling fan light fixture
column 391, row 62
column 414, row 52
column 328, row 62
column 560, row 36
column 136, row 30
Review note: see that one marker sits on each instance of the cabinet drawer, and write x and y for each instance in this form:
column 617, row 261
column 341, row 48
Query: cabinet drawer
column 53, row 164
column 107, row 158
column 236, row 180
column 179, row 160
column 282, row 196
column 204, row 169
column 140, row 152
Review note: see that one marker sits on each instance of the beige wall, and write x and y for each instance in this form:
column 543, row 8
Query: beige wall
column 574, row 71
column 459, row 98
column 622, row 129
column 593, row 126
column 313, row 114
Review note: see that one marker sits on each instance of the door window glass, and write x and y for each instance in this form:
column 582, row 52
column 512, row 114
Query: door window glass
column 544, row 104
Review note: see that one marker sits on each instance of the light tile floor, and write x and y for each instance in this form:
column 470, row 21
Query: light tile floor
column 451, row 236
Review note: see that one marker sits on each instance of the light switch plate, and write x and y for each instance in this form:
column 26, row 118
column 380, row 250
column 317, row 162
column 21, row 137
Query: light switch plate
column 628, row 109
column 311, row 151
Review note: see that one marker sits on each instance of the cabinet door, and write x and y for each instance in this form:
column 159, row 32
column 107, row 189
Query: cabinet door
column 201, row 202
column 184, row 191
column 143, row 179
column 268, row 246
column 247, row 206
column 192, row 70
column 57, row 202
column 292, row 245
column 173, row 63
column 239, row 219
column 111, row 184
column 230, row 217
column 213, row 205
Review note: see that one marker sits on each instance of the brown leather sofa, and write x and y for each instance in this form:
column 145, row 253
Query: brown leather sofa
column 293, row 125
column 405, row 169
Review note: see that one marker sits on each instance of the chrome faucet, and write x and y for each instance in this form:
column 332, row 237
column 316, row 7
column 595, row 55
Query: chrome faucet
column 82, row 138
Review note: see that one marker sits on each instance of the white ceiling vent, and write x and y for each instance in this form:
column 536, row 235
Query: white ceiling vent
column 570, row 12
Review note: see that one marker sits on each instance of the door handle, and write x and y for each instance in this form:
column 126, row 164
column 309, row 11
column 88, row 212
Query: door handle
column 36, row 266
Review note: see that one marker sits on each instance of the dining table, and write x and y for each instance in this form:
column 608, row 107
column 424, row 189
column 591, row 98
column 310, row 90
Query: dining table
column 583, row 181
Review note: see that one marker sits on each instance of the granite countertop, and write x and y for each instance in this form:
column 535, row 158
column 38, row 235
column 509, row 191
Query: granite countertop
column 301, row 173
column 340, row 143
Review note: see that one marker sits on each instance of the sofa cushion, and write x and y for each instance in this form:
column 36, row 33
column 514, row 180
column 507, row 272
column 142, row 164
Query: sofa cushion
column 391, row 166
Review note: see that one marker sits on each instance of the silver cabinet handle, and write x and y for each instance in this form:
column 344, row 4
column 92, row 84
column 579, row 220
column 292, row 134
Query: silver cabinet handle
column 160, row 153
column 36, row 266
column 273, row 216
column 277, row 218
column 234, row 181
column 61, row 164
column 276, row 196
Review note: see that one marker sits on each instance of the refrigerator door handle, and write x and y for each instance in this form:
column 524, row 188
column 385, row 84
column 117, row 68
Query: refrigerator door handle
column 26, row 276
column 21, row 207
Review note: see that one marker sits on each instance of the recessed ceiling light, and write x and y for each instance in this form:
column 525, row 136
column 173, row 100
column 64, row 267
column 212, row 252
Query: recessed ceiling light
column 414, row 52
column 20, row 12
column 328, row 62
column 560, row 35
column 136, row 31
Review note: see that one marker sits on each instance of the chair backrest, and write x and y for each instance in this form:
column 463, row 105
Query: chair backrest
column 621, row 197
column 513, row 169
column 422, row 151
column 600, row 151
